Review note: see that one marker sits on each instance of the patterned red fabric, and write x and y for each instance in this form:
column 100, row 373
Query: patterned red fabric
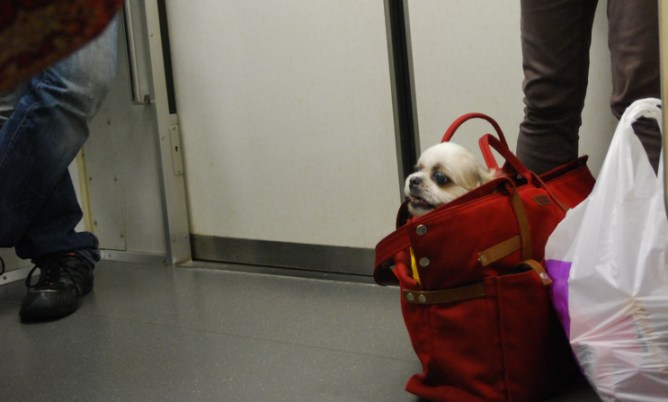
column 37, row 33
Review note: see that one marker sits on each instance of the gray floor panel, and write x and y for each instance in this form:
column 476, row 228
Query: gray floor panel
column 160, row 334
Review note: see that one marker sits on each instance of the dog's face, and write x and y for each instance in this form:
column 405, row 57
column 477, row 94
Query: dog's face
column 444, row 172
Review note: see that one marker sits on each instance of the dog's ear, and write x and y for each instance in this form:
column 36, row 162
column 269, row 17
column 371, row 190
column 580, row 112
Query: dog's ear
column 485, row 175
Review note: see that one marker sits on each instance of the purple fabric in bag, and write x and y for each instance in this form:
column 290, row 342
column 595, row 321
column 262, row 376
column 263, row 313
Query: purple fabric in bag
column 559, row 271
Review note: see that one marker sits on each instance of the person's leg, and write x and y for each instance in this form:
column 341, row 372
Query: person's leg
column 8, row 101
column 49, row 125
column 38, row 205
column 556, row 37
column 633, row 40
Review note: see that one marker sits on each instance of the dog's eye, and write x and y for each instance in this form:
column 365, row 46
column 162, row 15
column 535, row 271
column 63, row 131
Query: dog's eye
column 440, row 178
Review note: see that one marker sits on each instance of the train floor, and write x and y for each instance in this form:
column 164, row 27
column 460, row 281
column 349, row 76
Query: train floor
column 150, row 333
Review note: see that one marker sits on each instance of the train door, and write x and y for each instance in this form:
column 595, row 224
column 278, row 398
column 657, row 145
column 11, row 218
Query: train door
column 286, row 120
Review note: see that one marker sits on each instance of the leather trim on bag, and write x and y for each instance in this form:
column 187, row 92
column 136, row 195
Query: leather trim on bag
column 445, row 296
column 500, row 250
column 542, row 200
column 523, row 223
column 539, row 269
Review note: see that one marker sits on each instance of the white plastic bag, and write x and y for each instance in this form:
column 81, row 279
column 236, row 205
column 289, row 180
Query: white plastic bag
column 609, row 261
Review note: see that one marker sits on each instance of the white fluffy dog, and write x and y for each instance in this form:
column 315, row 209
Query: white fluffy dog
column 444, row 172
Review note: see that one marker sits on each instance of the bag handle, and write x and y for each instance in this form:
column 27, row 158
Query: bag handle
column 486, row 152
column 488, row 142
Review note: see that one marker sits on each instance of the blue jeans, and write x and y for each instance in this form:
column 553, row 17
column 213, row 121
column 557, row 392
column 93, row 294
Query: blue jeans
column 47, row 127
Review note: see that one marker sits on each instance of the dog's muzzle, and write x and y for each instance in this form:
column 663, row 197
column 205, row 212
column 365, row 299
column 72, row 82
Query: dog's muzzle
column 414, row 183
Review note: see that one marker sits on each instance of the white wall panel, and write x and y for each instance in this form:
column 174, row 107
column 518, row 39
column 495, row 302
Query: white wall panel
column 122, row 168
column 286, row 117
column 467, row 58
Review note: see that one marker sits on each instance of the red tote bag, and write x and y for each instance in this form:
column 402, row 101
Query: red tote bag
column 474, row 294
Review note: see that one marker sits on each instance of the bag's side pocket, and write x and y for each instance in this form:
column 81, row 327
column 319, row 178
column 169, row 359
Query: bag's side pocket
column 454, row 334
column 536, row 353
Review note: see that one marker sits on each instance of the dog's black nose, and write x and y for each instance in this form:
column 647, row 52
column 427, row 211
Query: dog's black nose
column 414, row 182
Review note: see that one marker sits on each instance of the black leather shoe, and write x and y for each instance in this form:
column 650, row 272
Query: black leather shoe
column 64, row 278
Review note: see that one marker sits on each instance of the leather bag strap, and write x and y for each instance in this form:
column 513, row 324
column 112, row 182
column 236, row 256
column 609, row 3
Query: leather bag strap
column 522, row 223
column 488, row 141
column 445, row 296
column 538, row 268
column 464, row 293
column 520, row 242
column 500, row 250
